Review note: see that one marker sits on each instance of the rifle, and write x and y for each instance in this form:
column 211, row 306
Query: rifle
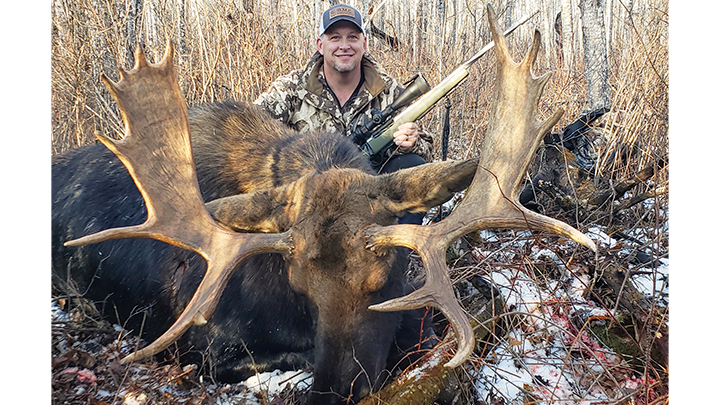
column 375, row 137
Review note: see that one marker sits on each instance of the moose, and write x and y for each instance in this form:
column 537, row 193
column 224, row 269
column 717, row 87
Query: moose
column 282, row 248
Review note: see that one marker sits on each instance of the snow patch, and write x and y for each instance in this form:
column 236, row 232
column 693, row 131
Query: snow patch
column 545, row 357
column 598, row 235
column 262, row 387
column 653, row 281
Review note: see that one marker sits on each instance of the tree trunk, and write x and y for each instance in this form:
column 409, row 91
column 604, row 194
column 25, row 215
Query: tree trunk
column 619, row 190
column 509, row 10
column 595, row 55
column 182, row 35
column 638, row 330
column 441, row 18
column 428, row 381
column 275, row 10
column 453, row 32
column 567, row 34
column 421, row 386
column 546, row 21
column 421, row 24
column 609, row 24
column 557, row 28
column 132, row 29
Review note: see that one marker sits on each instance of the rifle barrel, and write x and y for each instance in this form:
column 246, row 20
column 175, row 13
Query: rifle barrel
column 507, row 32
column 424, row 103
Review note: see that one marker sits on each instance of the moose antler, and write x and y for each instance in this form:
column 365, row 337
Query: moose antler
column 156, row 151
column 491, row 201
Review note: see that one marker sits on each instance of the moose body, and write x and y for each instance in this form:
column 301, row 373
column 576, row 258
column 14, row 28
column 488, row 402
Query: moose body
column 144, row 283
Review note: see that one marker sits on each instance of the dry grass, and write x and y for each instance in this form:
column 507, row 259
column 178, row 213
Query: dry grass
column 223, row 52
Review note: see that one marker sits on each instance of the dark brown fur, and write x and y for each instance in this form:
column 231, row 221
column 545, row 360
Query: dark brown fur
column 244, row 150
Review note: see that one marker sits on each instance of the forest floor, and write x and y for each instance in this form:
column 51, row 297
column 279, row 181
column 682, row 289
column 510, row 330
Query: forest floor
column 577, row 327
column 567, row 325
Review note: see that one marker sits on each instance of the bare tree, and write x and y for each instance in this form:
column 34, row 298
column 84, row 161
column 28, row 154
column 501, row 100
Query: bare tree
column 275, row 11
column 440, row 33
column 546, row 19
column 509, row 11
column 420, row 31
column 609, row 23
column 183, row 49
column 453, row 32
column 134, row 14
column 595, row 54
column 567, row 33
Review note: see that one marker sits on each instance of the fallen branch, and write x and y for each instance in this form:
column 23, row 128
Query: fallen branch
column 640, row 198
column 621, row 188
column 418, row 386
column 638, row 330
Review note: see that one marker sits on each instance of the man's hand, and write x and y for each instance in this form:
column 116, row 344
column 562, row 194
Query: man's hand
column 406, row 136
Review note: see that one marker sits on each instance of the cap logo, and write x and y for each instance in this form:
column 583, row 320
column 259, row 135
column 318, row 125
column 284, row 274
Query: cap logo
column 337, row 13
column 342, row 11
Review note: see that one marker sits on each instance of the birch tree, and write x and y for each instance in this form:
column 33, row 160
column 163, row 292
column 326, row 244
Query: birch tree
column 183, row 49
column 567, row 33
column 275, row 11
column 132, row 28
column 595, row 55
column 609, row 23
column 420, row 31
column 440, row 34
column 509, row 10
column 547, row 17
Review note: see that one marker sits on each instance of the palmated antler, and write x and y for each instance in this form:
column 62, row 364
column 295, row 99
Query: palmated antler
column 514, row 134
column 156, row 151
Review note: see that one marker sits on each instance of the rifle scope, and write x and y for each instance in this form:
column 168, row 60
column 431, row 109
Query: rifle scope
column 415, row 89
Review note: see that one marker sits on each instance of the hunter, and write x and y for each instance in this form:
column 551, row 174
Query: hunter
column 340, row 86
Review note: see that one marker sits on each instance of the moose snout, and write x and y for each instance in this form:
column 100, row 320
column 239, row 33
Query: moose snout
column 346, row 381
column 351, row 355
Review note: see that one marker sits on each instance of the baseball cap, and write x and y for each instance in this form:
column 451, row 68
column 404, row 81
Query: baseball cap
column 340, row 12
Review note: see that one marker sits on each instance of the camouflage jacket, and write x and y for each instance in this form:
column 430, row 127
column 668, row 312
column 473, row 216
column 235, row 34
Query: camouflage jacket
column 304, row 101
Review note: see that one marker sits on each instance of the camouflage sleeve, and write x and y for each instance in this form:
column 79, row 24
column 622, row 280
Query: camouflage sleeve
column 424, row 145
column 279, row 100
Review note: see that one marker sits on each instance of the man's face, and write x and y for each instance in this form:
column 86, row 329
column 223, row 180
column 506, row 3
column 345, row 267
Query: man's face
column 342, row 46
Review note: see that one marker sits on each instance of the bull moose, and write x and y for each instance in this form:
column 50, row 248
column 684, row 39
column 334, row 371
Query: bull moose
column 282, row 246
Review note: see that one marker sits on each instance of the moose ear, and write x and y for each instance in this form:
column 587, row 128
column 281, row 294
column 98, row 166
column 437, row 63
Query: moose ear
column 253, row 212
column 419, row 188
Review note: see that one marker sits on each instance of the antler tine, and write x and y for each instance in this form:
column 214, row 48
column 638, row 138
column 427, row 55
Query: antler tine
column 157, row 152
column 491, row 201
column 437, row 290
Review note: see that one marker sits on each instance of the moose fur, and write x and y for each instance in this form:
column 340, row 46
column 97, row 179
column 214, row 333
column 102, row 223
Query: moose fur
column 287, row 314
